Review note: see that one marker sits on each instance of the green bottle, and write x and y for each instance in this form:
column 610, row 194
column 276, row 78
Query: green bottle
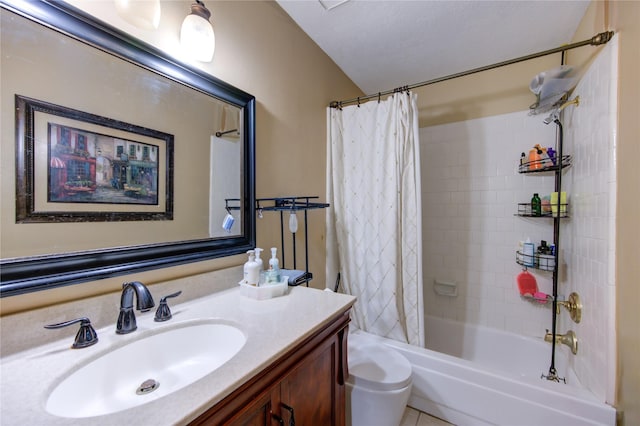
column 536, row 205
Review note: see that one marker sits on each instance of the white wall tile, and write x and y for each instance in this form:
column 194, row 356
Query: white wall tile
column 471, row 234
column 593, row 235
column 481, row 211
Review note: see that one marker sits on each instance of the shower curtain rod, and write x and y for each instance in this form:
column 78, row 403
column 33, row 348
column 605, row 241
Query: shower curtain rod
column 596, row 40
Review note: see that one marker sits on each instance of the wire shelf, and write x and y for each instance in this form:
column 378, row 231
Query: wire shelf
column 546, row 165
column 543, row 262
column 289, row 203
column 548, row 210
column 282, row 205
column 278, row 204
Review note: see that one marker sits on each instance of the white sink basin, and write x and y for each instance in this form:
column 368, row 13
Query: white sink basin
column 173, row 358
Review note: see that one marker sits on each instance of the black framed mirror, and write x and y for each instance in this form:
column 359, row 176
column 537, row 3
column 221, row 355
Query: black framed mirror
column 52, row 258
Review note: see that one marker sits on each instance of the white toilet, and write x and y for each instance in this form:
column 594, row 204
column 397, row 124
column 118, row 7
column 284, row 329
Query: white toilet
column 379, row 382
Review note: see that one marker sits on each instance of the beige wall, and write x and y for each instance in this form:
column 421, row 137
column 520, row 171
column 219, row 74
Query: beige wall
column 485, row 94
column 262, row 51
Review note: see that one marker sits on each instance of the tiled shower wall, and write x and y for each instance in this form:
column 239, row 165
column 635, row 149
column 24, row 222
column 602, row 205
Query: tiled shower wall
column 471, row 189
column 591, row 232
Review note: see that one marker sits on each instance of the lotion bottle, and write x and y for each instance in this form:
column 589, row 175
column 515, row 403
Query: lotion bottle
column 251, row 270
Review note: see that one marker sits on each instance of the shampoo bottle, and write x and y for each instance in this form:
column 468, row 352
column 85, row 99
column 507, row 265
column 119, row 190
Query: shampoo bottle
column 536, row 205
column 552, row 155
column 559, row 205
column 528, row 250
column 545, row 161
column 535, row 162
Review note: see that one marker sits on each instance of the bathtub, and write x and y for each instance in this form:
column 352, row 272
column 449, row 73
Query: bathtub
column 473, row 375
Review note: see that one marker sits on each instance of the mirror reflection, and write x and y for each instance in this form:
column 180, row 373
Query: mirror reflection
column 212, row 128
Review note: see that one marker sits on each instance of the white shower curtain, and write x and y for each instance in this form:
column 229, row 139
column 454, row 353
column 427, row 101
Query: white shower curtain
column 374, row 235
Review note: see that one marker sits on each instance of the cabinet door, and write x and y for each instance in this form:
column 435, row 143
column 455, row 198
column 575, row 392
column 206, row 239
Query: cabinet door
column 258, row 412
column 307, row 384
column 312, row 391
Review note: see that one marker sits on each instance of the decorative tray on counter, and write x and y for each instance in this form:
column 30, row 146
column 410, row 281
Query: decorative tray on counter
column 265, row 291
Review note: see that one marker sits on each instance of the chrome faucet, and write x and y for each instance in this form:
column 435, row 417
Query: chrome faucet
column 144, row 301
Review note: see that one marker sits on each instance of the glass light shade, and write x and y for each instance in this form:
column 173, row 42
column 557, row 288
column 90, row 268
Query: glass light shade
column 197, row 38
column 144, row 14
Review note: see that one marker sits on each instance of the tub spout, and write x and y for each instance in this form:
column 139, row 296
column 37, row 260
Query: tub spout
column 569, row 339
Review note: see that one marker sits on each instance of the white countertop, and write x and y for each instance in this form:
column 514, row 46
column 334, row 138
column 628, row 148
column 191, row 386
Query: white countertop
column 272, row 327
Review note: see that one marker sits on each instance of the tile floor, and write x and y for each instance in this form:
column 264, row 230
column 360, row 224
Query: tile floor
column 413, row 417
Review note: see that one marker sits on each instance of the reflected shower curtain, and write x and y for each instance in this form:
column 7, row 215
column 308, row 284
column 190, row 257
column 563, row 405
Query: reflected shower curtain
column 374, row 235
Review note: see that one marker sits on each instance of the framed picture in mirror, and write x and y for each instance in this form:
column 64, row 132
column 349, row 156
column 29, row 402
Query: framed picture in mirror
column 75, row 166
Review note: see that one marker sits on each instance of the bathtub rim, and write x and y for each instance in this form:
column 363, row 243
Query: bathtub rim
column 558, row 396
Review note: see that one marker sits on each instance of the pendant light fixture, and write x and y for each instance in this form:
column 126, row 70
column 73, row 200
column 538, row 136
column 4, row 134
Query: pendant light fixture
column 196, row 35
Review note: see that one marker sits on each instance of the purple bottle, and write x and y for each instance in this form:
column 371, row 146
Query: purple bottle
column 552, row 155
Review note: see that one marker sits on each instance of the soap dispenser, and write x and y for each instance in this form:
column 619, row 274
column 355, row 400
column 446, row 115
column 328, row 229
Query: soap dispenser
column 251, row 270
column 274, row 263
column 259, row 259
column 273, row 274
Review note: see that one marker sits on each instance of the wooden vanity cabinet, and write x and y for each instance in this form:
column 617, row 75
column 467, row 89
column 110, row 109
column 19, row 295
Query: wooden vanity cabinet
column 309, row 380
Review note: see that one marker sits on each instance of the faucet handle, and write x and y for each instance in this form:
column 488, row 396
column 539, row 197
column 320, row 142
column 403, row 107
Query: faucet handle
column 163, row 313
column 86, row 336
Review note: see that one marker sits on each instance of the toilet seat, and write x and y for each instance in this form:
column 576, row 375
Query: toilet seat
column 375, row 366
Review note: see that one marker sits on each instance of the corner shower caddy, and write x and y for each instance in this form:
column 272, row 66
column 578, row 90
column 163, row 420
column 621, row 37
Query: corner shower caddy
column 539, row 261
column 557, row 212
column 291, row 205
